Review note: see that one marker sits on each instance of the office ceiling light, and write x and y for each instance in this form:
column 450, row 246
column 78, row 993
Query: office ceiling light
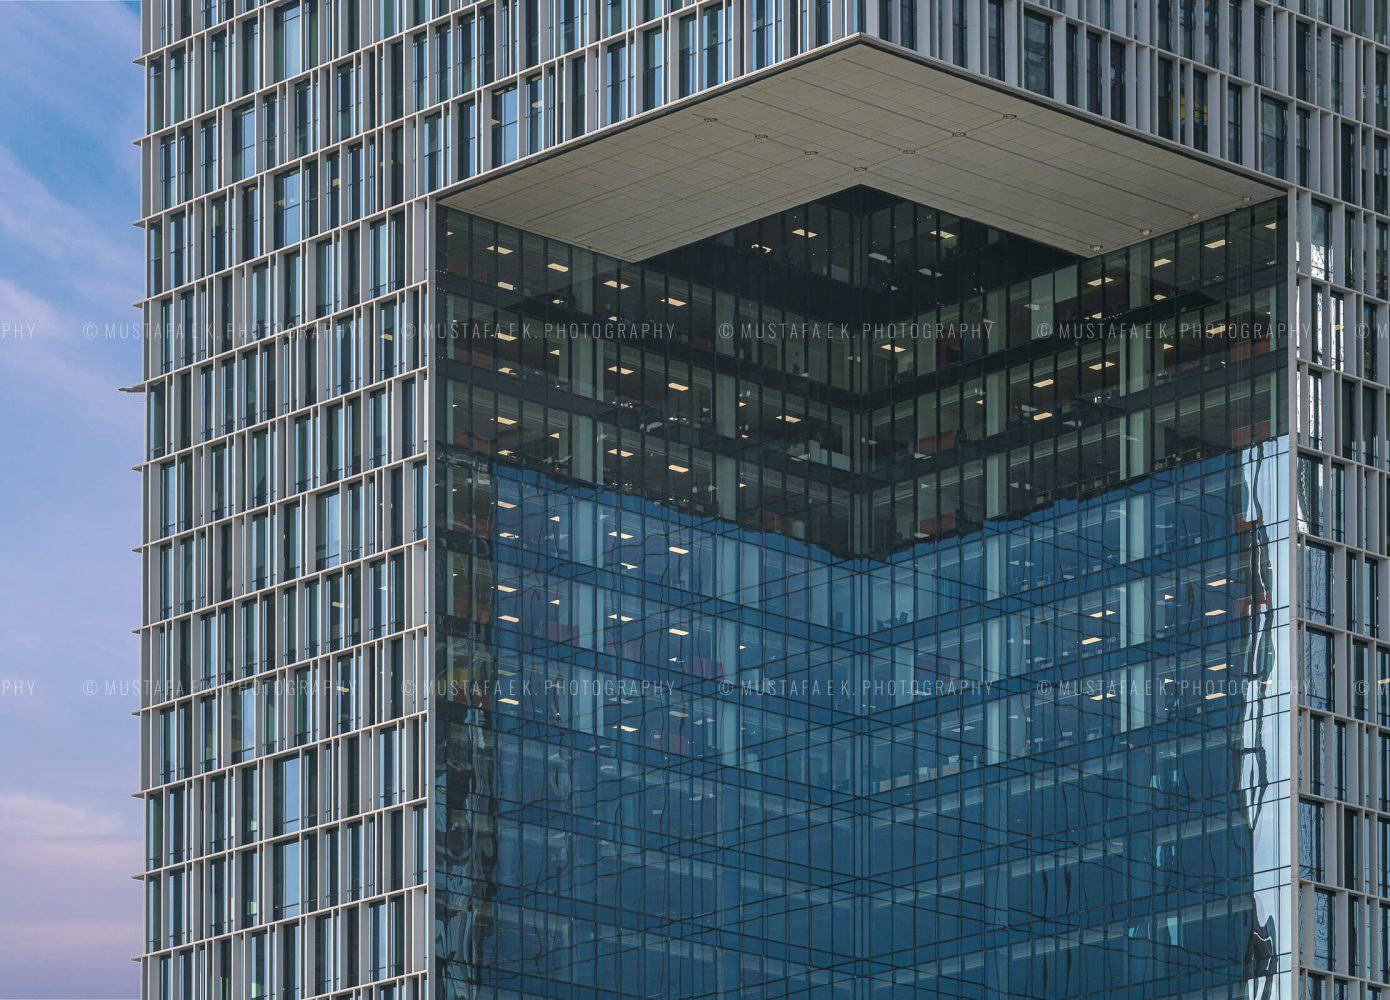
column 1162, row 261
column 677, row 386
column 501, row 251
column 615, row 283
column 1043, row 383
column 678, row 631
column 678, row 468
column 671, row 300
column 1216, row 244
column 555, row 265
column 805, row 234
column 620, row 370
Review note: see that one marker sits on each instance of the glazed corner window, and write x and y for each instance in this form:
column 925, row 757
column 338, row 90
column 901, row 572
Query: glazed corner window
column 1037, row 53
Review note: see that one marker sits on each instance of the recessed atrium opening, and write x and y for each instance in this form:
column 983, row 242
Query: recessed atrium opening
column 865, row 600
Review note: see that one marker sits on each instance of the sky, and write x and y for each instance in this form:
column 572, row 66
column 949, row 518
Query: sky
column 70, row 268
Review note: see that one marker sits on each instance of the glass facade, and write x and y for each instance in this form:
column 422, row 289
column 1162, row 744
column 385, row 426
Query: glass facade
column 860, row 441
column 932, row 646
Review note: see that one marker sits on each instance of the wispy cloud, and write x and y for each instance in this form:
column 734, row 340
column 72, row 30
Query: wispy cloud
column 71, row 907
column 88, row 256
column 70, row 915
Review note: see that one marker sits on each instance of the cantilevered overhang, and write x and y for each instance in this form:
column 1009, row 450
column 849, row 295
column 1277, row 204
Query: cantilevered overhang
column 858, row 112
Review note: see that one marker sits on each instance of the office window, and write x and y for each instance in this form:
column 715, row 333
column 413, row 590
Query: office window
column 287, row 218
column 1310, row 841
column 617, row 83
column 1273, row 135
column 243, row 142
column 1095, row 74
column 713, row 45
column 1235, row 37
column 766, row 32
column 1318, row 683
column 1073, row 65
column 288, row 43
column 1235, row 138
column 1117, row 83
column 1200, row 110
column 1324, row 929
column 1037, row 53
column 534, row 138
column 431, row 158
column 1317, row 583
column 1165, row 98
column 689, row 55
column 994, row 40
column 504, row 126
column 653, row 70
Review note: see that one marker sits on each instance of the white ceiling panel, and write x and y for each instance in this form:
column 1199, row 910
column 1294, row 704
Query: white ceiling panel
column 859, row 112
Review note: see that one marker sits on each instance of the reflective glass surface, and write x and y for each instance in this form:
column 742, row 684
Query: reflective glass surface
column 864, row 602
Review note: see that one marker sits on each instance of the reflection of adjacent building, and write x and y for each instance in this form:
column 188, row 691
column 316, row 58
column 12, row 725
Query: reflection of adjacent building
column 1006, row 602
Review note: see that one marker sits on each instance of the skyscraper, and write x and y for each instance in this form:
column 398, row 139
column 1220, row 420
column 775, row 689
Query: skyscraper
column 759, row 500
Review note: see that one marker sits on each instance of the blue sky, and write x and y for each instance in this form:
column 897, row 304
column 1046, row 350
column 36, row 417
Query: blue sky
column 70, row 838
